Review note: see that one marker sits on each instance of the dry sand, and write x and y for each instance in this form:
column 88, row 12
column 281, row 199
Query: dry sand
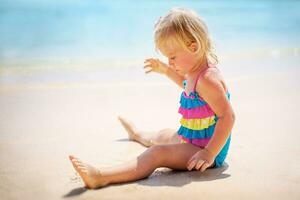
column 41, row 125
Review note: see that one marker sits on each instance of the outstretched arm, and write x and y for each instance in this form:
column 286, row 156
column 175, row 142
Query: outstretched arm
column 174, row 76
column 155, row 65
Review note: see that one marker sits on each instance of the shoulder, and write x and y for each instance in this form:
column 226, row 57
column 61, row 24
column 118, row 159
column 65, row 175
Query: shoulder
column 211, row 81
column 212, row 90
column 211, row 74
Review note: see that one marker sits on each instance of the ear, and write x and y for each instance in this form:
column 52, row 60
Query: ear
column 193, row 46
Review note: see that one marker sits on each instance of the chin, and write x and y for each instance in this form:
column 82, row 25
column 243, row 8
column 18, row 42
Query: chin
column 180, row 73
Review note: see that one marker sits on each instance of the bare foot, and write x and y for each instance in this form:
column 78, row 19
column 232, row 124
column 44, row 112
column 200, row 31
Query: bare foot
column 130, row 128
column 134, row 134
column 90, row 175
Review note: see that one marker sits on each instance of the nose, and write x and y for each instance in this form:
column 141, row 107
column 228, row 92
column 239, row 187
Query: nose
column 171, row 63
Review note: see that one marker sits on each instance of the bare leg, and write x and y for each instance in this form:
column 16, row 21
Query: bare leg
column 165, row 136
column 139, row 168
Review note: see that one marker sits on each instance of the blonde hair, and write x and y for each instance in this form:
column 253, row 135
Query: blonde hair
column 182, row 27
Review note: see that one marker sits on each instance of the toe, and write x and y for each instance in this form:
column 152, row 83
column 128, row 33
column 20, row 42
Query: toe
column 121, row 119
column 75, row 166
column 76, row 163
column 73, row 163
column 80, row 164
column 75, row 159
column 82, row 169
column 71, row 157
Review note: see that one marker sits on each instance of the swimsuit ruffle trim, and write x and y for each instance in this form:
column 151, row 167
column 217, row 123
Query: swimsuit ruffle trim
column 198, row 142
column 196, row 113
column 198, row 124
column 191, row 134
column 188, row 103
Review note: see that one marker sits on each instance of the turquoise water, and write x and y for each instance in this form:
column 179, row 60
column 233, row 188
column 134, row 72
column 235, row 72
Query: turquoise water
column 123, row 30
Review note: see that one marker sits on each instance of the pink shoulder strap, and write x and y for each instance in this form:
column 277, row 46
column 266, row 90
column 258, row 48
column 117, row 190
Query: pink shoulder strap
column 199, row 75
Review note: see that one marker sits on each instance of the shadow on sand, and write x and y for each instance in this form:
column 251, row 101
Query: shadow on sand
column 178, row 178
column 75, row 192
column 168, row 177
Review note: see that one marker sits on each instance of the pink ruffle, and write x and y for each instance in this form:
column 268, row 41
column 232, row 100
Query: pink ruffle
column 196, row 113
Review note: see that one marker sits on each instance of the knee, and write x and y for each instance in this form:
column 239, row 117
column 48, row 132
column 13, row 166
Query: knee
column 158, row 152
column 157, row 149
column 165, row 136
column 167, row 130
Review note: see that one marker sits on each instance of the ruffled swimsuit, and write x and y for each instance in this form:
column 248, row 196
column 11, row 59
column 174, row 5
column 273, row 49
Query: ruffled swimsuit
column 198, row 122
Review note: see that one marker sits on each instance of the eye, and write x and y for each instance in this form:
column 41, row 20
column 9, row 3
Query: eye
column 173, row 58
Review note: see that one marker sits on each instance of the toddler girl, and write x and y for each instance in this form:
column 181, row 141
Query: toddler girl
column 203, row 139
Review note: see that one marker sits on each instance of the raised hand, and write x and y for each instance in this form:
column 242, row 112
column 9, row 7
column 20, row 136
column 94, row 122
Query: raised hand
column 155, row 65
column 201, row 160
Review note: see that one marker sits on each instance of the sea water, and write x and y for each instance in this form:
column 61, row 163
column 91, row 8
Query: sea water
column 100, row 34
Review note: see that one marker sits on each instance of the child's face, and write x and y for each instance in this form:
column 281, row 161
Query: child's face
column 180, row 59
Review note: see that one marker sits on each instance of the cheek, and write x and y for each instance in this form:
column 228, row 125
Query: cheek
column 184, row 62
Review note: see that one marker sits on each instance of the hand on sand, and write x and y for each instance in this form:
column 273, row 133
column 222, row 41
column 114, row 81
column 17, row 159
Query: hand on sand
column 155, row 65
column 201, row 160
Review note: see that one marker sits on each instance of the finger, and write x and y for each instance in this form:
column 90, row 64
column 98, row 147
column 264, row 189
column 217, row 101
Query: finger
column 191, row 160
column 191, row 165
column 149, row 65
column 147, row 72
column 157, row 61
column 199, row 164
column 149, row 60
column 204, row 166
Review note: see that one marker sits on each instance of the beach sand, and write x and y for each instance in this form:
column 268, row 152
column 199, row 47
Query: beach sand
column 40, row 125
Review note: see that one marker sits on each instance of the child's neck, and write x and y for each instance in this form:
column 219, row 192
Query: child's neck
column 199, row 67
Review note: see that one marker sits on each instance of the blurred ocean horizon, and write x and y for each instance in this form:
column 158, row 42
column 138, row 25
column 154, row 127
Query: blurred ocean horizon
column 84, row 34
